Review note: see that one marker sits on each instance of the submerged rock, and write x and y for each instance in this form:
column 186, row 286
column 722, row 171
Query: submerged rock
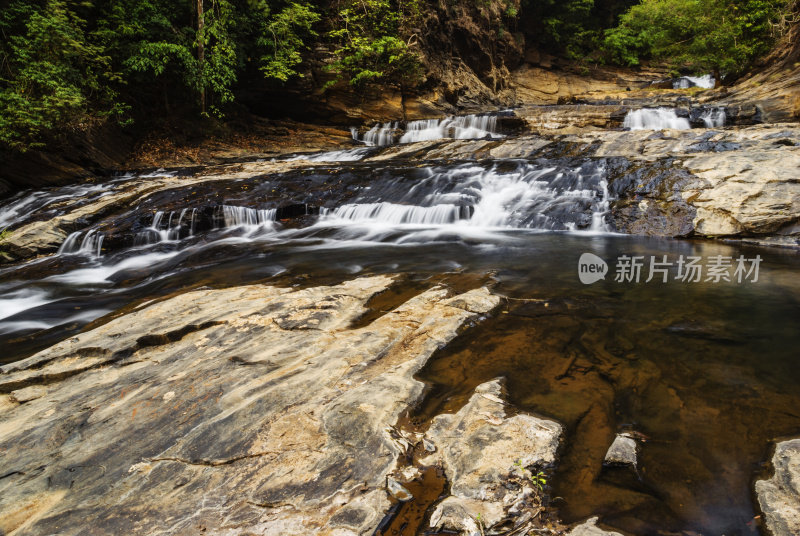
column 480, row 448
column 622, row 452
column 245, row 410
column 779, row 497
column 590, row 528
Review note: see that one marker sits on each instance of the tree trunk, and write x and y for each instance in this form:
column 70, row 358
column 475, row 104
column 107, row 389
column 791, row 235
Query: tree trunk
column 201, row 53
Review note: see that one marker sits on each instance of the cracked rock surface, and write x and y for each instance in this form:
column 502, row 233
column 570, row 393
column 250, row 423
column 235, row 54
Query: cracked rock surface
column 245, row 410
column 480, row 448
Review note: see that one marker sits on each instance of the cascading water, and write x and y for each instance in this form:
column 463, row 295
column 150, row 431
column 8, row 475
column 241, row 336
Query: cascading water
column 176, row 225
column 391, row 213
column 714, row 117
column 455, row 127
column 469, row 196
column 91, row 244
column 250, row 219
column 685, row 82
column 377, row 136
column 655, row 119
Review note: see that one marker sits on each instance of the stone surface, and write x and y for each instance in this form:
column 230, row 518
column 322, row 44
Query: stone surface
column 779, row 497
column 246, row 410
column 480, row 447
column 622, row 451
column 590, row 528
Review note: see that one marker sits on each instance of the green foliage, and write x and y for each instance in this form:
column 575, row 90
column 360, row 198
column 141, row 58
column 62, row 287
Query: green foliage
column 373, row 39
column 50, row 65
column 284, row 38
column 538, row 479
column 571, row 27
column 703, row 35
column 66, row 63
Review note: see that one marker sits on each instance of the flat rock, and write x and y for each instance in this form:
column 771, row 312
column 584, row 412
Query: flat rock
column 779, row 497
column 480, row 447
column 245, row 410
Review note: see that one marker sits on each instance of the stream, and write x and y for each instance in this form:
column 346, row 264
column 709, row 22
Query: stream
column 704, row 371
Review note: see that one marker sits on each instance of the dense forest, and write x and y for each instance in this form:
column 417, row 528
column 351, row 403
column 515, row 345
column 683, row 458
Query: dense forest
column 66, row 64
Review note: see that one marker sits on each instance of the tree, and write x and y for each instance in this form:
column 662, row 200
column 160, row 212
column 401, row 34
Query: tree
column 375, row 39
column 50, row 66
column 722, row 36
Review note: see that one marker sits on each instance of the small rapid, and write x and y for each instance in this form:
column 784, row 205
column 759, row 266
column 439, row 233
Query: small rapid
column 655, row 119
column 455, row 127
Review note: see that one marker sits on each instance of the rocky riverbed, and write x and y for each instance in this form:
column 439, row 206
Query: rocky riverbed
column 725, row 183
column 389, row 337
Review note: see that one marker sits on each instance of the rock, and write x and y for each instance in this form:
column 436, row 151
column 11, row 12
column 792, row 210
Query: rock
column 27, row 394
column 254, row 409
column 621, row 452
column 779, row 497
column 397, row 490
column 745, row 193
column 478, row 448
column 590, row 528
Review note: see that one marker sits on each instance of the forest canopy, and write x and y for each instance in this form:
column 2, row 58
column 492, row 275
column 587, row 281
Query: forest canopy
column 67, row 63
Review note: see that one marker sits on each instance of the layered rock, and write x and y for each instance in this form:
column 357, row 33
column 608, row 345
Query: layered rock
column 251, row 409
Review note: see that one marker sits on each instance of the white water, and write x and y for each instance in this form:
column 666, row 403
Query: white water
column 248, row 217
column 349, row 155
column 392, row 213
column 101, row 274
column 23, row 204
column 714, row 117
column 434, row 204
column 455, row 127
column 655, row 119
column 528, row 197
column 169, row 229
column 684, row 82
column 80, row 243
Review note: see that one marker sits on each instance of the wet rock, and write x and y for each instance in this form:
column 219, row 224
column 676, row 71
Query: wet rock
column 480, row 448
column 590, row 528
column 397, row 490
column 779, row 497
column 255, row 409
column 622, row 452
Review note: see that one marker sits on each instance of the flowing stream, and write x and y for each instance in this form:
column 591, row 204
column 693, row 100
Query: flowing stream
column 705, row 371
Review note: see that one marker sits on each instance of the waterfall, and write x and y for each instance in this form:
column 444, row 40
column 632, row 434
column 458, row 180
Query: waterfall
column 455, row 127
column 248, row 217
column 714, row 117
column 655, row 119
column 379, row 135
column 168, row 230
column 348, row 155
column 391, row 213
column 685, row 82
column 475, row 197
column 91, row 244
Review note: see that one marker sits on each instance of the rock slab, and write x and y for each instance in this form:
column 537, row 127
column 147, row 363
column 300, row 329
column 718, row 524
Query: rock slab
column 245, row 410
